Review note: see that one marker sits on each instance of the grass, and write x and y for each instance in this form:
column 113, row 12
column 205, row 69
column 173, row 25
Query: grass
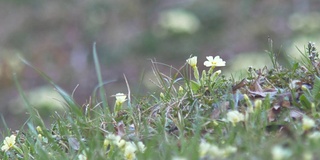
column 272, row 114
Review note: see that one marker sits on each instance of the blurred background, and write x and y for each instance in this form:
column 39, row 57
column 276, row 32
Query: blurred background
column 57, row 38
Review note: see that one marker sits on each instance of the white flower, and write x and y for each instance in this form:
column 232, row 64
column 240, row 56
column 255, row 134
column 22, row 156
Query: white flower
column 229, row 150
column 207, row 149
column 215, row 151
column 82, row 156
column 307, row 123
column 179, row 158
column 294, row 84
column 113, row 138
column 121, row 144
column 213, row 62
column 307, row 156
column 235, row 116
column 204, row 148
column 129, row 151
column 212, row 151
column 314, row 135
column 120, row 98
column 279, row 153
column 192, row 61
column 8, row 143
column 141, row 147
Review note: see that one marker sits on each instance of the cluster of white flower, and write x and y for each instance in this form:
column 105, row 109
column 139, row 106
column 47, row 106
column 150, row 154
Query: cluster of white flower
column 279, row 153
column 129, row 149
column 8, row 143
column 211, row 62
column 307, row 123
column 235, row 117
column 212, row 151
column 120, row 99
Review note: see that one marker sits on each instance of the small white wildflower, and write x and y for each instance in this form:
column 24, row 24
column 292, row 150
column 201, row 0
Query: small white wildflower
column 235, row 117
column 121, row 144
column 307, row 123
column 279, row 153
column 8, row 143
column 129, row 151
column 141, row 147
column 215, row 151
column 213, row 62
column 113, row 138
column 229, row 150
column 120, row 98
column 294, row 84
column 314, row 135
column 307, row 156
column 204, row 148
column 179, row 158
column 192, row 61
column 82, row 156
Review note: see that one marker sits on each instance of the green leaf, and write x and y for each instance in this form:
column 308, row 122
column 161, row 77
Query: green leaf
column 305, row 102
column 316, row 88
column 194, row 86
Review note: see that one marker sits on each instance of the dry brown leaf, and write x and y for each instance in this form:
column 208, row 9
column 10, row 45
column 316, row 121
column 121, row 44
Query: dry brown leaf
column 296, row 114
column 271, row 115
column 239, row 85
column 262, row 94
column 285, row 103
column 257, row 86
column 215, row 114
column 120, row 129
column 273, row 112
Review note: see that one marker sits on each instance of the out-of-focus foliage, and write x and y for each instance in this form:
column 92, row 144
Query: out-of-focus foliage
column 57, row 37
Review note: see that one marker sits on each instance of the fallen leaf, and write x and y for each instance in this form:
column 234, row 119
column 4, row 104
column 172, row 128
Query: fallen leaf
column 120, row 129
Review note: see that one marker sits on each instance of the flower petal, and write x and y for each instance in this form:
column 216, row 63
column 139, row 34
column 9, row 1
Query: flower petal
column 209, row 58
column 207, row 64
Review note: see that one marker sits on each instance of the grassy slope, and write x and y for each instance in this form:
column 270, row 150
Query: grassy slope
column 192, row 118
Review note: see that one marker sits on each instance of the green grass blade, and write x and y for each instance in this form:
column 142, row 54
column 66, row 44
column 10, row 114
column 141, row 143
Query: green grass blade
column 23, row 96
column 101, row 90
column 69, row 100
column 94, row 93
column 34, row 115
column 7, row 131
